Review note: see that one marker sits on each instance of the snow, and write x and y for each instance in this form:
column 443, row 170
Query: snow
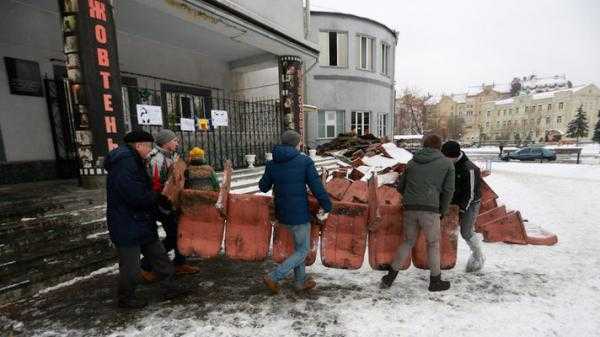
column 397, row 153
column 522, row 291
column 505, row 101
column 110, row 269
column 408, row 137
column 379, row 162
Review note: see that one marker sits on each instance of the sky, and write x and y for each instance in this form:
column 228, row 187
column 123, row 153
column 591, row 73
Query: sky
column 446, row 46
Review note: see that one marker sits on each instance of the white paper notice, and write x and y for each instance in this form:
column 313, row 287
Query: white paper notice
column 219, row 118
column 187, row 124
column 149, row 114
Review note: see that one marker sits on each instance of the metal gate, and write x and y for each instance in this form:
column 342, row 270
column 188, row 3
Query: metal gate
column 254, row 126
column 63, row 127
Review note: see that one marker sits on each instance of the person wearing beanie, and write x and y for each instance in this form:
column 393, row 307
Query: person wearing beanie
column 426, row 185
column 288, row 174
column 467, row 195
column 163, row 156
column 199, row 175
column 131, row 208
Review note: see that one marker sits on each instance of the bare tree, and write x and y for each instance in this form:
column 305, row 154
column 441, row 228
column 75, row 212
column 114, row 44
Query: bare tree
column 412, row 111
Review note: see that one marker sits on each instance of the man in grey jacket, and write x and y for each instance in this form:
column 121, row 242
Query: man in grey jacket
column 427, row 186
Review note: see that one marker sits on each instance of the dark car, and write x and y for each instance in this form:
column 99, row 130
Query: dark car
column 531, row 154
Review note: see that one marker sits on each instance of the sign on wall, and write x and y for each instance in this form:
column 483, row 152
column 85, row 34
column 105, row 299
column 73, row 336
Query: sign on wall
column 291, row 93
column 149, row 114
column 187, row 124
column 90, row 46
column 219, row 118
column 23, row 77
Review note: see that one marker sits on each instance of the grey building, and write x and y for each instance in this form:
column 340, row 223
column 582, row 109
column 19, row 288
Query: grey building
column 171, row 53
column 353, row 83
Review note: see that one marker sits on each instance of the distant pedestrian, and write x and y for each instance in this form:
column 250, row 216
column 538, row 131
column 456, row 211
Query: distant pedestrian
column 467, row 195
column 288, row 174
column 426, row 186
column 131, row 213
column 501, row 150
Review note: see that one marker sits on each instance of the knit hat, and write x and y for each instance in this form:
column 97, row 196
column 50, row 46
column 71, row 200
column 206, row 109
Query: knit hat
column 196, row 153
column 165, row 136
column 138, row 136
column 291, row 138
column 451, row 149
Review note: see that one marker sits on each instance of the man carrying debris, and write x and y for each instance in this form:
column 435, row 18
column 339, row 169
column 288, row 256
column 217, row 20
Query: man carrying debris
column 426, row 186
column 467, row 195
column 288, row 174
column 131, row 211
column 199, row 175
column 162, row 157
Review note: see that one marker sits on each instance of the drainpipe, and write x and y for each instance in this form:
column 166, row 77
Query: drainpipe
column 306, row 18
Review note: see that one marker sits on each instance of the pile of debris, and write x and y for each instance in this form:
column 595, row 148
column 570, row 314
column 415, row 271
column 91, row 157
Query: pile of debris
column 365, row 156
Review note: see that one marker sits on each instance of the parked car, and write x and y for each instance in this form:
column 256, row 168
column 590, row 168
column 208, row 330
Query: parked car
column 530, row 154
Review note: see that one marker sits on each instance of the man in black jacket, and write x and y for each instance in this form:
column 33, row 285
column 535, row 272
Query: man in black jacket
column 467, row 195
column 131, row 210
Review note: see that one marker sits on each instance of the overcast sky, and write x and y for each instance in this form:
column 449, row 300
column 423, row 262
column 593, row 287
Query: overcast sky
column 445, row 46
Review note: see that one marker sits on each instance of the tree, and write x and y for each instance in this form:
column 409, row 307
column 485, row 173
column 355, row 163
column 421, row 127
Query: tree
column 412, row 112
column 596, row 135
column 578, row 127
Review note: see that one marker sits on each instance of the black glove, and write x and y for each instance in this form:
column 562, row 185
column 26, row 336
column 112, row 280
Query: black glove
column 164, row 204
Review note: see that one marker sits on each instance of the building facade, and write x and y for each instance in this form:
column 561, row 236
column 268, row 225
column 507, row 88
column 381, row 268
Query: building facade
column 533, row 117
column 183, row 57
column 352, row 84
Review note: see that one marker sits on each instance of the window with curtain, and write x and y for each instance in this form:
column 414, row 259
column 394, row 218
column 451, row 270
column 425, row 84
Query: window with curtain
column 330, row 123
column 385, row 59
column 360, row 122
column 333, row 48
column 366, row 53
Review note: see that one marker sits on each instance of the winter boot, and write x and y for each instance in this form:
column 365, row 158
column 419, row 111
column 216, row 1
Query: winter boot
column 132, row 302
column 436, row 283
column 388, row 279
column 476, row 260
column 309, row 284
column 274, row 286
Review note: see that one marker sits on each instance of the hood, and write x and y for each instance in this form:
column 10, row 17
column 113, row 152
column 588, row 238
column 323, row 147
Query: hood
column 115, row 156
column 427, row 155
column 284, row 153
column 462, row 159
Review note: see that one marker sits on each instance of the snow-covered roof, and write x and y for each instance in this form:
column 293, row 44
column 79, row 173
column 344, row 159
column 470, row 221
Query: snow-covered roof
column 433, row 100
column 505, row 101
column 544, row 83
column 550, row 94
column 459, row 98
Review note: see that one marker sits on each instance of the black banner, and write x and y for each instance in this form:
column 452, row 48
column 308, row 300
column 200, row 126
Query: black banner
column 23, row 77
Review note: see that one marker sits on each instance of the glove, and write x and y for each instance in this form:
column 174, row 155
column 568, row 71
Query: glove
column 164, row 204
column 322, row 215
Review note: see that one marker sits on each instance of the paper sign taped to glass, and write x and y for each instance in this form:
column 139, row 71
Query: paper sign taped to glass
column 203, row 124
column 149, row 114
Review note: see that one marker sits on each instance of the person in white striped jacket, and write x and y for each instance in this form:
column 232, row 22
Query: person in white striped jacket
column 467, row 195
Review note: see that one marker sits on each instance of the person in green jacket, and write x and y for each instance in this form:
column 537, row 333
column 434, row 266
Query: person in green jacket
column 199, row 175
column 427, row 186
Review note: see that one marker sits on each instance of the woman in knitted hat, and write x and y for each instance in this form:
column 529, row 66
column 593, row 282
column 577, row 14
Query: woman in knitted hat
column 199, row 175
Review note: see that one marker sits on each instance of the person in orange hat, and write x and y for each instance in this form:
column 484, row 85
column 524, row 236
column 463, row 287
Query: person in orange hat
column 199, row 175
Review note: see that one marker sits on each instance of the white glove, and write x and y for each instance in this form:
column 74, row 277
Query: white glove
column 322, row 216
column 219, row 205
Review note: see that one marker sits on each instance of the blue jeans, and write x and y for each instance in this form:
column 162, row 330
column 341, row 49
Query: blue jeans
column 301, row 235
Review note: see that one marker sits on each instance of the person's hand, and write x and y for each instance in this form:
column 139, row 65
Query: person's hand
column 164, row 204
column 322, row 215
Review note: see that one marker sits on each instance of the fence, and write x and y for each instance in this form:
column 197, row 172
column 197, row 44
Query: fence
column 253, row 126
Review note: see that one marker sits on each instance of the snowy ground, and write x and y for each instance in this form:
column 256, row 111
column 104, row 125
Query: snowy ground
column 523, row 291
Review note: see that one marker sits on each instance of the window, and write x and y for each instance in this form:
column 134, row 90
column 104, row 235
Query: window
column 509, row 122
column 385, row 59
column 561, row 105
column 360, row 122
column 488, row 113
column 330, row 123
column 547, row 120
column 382, row 124
column 487, row 125
column 549, row 107
column 365, row 53
column 503, row 124
column 539, row 108
column 510, row 111
column 526, row 109
column 559, row 119
column 498, row 124
column 333, row 49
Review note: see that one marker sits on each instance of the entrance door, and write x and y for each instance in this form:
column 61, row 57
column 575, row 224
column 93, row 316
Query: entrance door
column 62, row 123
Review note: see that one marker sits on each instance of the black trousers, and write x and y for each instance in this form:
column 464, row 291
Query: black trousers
column 129, row 267
column 169, row 223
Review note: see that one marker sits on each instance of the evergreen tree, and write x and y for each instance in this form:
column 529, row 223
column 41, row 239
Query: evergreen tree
column 596, row 136
column 578, row 127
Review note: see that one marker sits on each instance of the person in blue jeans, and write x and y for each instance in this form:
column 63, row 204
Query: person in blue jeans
column 288, row 174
